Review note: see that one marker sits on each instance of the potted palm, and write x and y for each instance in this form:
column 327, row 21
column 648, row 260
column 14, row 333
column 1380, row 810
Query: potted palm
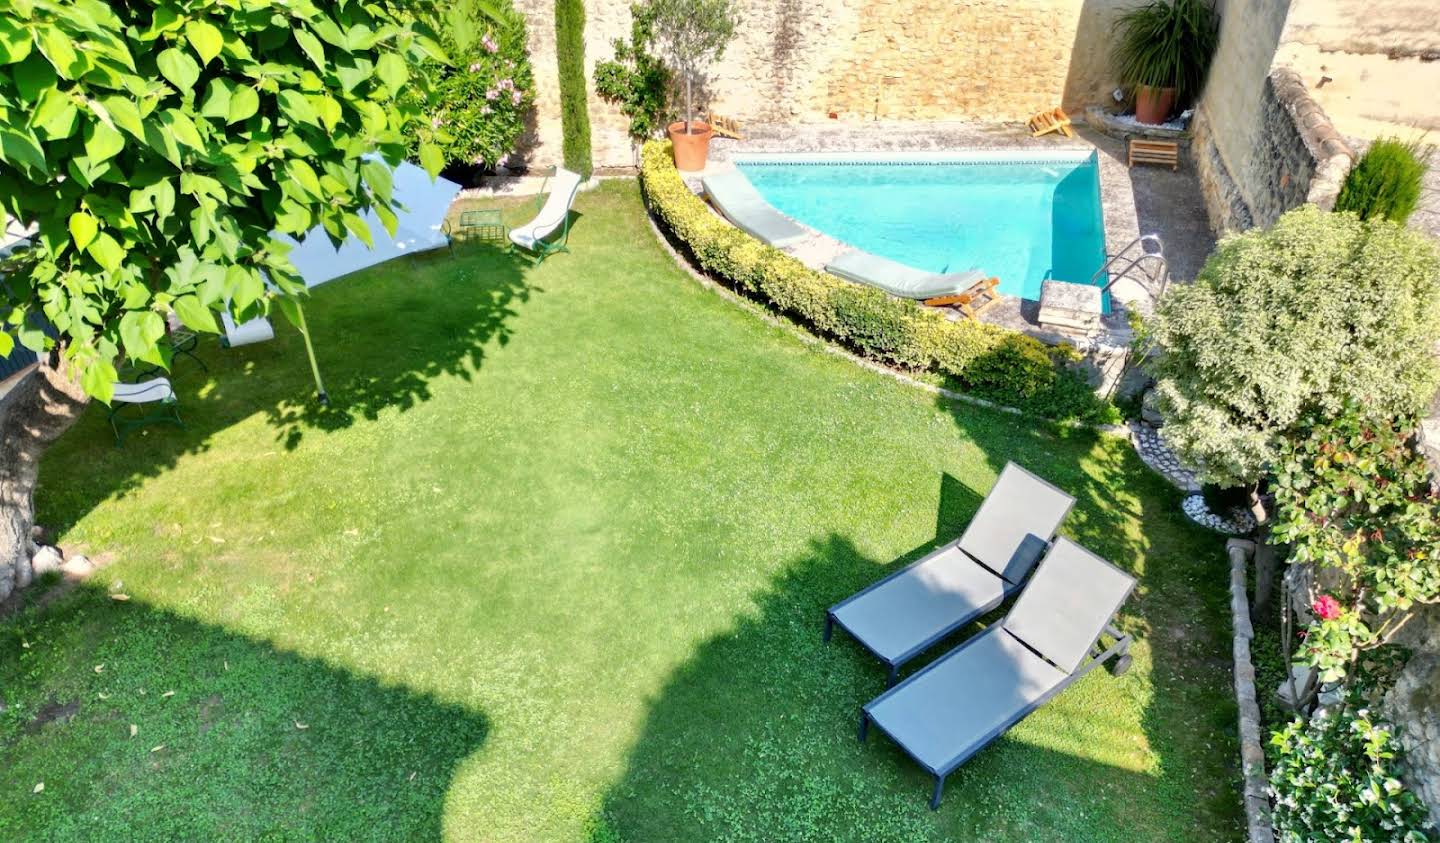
column 691, row 34
column 1163, row 53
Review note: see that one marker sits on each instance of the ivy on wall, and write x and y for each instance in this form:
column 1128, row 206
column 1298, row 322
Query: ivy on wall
column 570, row 61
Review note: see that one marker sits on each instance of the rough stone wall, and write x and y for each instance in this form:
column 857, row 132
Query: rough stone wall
column 802, row 60
column 1414, row 705
column 1262, row 144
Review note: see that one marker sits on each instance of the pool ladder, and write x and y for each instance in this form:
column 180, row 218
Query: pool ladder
column 1158, row 271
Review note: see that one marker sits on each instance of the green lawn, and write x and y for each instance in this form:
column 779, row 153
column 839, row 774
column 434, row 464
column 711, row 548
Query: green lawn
column 554, row 568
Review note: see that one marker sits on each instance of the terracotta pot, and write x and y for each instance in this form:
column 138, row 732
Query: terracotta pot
column 1152, row 105
column 691, row 149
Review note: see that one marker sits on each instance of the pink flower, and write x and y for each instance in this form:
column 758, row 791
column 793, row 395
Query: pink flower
column 1327, row 607
column 486, row 110
column 492, row 94
column 506, row 84
column 475, row 67
column 489, row 44
column 516, row 96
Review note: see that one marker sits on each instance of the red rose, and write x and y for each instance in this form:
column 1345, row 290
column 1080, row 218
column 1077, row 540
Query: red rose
column 1327, row 607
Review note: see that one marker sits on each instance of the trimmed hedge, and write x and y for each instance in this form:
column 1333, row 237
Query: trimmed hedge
column 570, row 67
column 989, row 360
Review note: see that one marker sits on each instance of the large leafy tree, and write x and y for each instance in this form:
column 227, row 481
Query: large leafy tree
column 156, row 145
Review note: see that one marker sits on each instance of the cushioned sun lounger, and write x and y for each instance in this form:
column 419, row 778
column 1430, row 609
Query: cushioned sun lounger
column 901, row 615
column 958, row 704
column 734, row 196
column 897, row 279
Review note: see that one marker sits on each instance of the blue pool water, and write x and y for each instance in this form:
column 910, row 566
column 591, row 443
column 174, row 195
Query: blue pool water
column 1023, row 220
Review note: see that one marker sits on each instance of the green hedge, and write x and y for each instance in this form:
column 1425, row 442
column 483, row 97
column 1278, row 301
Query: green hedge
column 994, row 362
column 570, row 65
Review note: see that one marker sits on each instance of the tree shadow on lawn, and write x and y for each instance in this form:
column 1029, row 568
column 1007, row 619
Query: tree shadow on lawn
column 755, row 739
column 254, row 743
column 381, row 336
column 1178, row 614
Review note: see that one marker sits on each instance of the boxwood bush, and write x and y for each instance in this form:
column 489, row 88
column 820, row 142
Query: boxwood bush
column 987, row 360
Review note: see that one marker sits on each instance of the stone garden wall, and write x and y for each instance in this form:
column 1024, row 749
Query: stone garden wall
column 1262, row 144
column 804, row 60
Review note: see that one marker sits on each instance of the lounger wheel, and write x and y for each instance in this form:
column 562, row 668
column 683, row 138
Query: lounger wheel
column 1121, row 665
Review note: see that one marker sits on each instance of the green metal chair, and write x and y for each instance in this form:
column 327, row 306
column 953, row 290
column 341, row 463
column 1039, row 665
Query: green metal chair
column 538, row 238
column 482, row 225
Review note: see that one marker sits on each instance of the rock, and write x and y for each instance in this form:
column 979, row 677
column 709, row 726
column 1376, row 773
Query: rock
column 24, row 574
column 1150, row 409
column 1331, row 695
column 1304, row 681
column 37, row 534
column 45, row 560
column 7, row 582
column 78, row 566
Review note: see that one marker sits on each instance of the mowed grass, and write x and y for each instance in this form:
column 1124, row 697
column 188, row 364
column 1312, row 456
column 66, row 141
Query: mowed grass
column 554, row 567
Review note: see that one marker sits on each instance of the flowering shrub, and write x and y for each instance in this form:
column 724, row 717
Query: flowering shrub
column 1353, row 494
column 1334, row 779
column 481, row 99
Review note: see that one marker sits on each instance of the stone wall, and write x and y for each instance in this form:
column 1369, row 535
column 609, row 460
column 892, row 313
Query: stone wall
column 1262, row 144
column 804, row 60
column 1414, row 705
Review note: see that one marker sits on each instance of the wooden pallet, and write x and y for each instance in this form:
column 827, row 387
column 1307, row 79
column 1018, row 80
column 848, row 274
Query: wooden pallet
column 1155, row 152
column 725, row 127
column 973, row 301
column 1054, row 120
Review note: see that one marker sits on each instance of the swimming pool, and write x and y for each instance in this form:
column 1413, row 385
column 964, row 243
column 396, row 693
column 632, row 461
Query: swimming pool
column 1021, row 217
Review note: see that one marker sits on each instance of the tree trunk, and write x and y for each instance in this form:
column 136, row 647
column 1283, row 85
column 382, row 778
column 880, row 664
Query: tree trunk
column 41, row 407
column 689, row 107
column 1266, row 565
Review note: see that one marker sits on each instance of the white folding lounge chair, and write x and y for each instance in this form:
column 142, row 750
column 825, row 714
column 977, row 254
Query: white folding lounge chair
column 256, row 330
column 553, row 216
column 900, row 616
column 961, row 702
column 155, row 393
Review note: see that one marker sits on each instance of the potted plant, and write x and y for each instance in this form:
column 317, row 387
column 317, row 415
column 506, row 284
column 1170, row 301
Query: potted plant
column 1163, row 53
column 691, row 34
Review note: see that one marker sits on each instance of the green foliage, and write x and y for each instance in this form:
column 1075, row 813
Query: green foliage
column 990, row 360
column 158, row 145
column 574, row 109
column 481, row 97
column 1387, row 180
column 1167, row 44
column 1335, row 779
column 1352, row 493
column 692, row 34
column 1318, row 313
column 638, row 81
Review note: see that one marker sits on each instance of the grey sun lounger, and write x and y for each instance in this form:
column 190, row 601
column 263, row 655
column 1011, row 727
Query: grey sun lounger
column 897, row 279
column 904, row 613
column 967, row 698
column 734, row 196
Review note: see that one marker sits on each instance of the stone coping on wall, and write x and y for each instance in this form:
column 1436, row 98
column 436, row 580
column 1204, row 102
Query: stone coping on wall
column 1255, row 784
column 1333, row 157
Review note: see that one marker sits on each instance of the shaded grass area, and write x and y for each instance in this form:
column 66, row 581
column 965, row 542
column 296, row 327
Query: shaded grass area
column 561, row 549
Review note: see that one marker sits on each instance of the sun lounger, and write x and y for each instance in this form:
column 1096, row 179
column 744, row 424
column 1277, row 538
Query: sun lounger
column 970, row 291
column 553, row 216
column 737, row 199
column 958, row 704
column 900, row 616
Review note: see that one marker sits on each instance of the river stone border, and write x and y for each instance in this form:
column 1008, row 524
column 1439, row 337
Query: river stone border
column 1256, row 790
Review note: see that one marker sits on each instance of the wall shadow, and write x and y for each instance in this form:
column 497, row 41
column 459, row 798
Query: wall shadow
column 223, row 758
column 381, row 337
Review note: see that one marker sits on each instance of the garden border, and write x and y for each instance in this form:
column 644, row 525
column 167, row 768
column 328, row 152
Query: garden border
column 1255, row 789
column 809, row 338
column 894, row 333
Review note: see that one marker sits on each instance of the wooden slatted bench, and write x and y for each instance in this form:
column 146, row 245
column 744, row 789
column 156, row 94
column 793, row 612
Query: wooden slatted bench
column 1155, row 152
